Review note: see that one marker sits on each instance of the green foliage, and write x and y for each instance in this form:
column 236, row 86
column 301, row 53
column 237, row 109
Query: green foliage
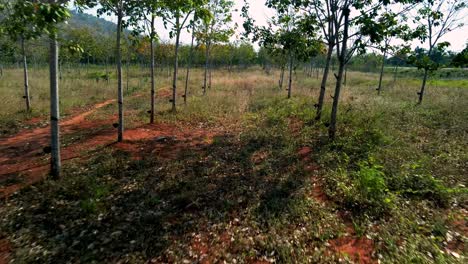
column 364, row 191
column 461, row 59
column 423, row 187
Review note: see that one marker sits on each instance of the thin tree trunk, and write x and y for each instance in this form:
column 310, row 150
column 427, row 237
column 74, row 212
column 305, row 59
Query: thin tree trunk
column 54, row 109
column 176, row 66
column 379, row 89
column 290, row 74
column 281, row 78
column 323, row 85
column 119, row 76
column 345, row 76
column 423, row 86
column 189, row 64
column 207, row 58
column 210, row 68
column 153, row 30
column 339, row 81
column 127, row 64
column 60, row 69
column 26, row 77
column 395, row 74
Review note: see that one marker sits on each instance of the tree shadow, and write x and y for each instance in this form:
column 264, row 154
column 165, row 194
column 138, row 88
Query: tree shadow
column 119, row 208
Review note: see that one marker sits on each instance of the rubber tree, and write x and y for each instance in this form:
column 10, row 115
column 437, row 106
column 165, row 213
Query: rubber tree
column 214, row 31
column 436, row 18
column 363, row 16
column 192, row 27
column 44, row 17
column 393, row 27
column 151, row 11
column 289, row 32
column 324, row 12
column 176, row 13
column 19, row 26
column 125, row 11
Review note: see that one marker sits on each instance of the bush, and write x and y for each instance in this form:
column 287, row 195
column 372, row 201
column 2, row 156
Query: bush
column 363, row 191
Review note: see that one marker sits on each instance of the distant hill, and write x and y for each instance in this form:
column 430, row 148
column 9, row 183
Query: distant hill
column 102, row 26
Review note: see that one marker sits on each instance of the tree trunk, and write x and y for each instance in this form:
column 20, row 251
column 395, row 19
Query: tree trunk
column 379, row 89
column 210, row 71
column 423, row 86
column 395, row 74
column 119, row 76
column 345, row 75
column 153, row 31
column 290, row 74
column 127, row 64
column 26, row 77
column 60, row 69
column 189, row 64
column 339, row 80
column 54, row 109
column 207, row 58
column 176, row 65
column 280, row 82
column 323, row 85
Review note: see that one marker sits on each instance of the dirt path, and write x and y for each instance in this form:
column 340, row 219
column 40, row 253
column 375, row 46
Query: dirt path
column 22, row 157
column 24, row 162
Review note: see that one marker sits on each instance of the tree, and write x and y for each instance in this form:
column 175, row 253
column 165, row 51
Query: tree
column 19, row 26
column 153, row 8
column 190, row 56
column 461, row 59
column 45, row 16
column 367, row 29
column 216, row 30
column 324, row 11
column 289, row 32
column 436, row 18
column 393, row 26
column 176, row 13
column 122, row 9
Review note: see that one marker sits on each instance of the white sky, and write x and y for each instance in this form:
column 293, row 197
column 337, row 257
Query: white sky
column 458, row 38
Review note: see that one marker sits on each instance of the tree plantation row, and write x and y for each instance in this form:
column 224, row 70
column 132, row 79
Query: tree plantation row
column 302, row 32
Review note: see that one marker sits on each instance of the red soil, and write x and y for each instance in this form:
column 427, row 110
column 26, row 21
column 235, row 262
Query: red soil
column 23, row 161
column 5, row 251
column 304, row 152
column 357, row 249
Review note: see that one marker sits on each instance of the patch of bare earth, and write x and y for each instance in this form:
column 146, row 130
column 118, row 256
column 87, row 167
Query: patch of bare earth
column 357, row 249
column 312, row 169
column 23, row 160
column 5, row 251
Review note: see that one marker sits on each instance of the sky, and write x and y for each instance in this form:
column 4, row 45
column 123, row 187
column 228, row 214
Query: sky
column 458, row 38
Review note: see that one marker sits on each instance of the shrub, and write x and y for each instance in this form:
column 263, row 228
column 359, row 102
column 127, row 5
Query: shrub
column 363, row 191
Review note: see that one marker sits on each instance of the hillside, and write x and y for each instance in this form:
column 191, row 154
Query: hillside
column 102, row 26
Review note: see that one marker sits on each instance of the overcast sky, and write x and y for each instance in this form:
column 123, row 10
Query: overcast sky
column 458, row 38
